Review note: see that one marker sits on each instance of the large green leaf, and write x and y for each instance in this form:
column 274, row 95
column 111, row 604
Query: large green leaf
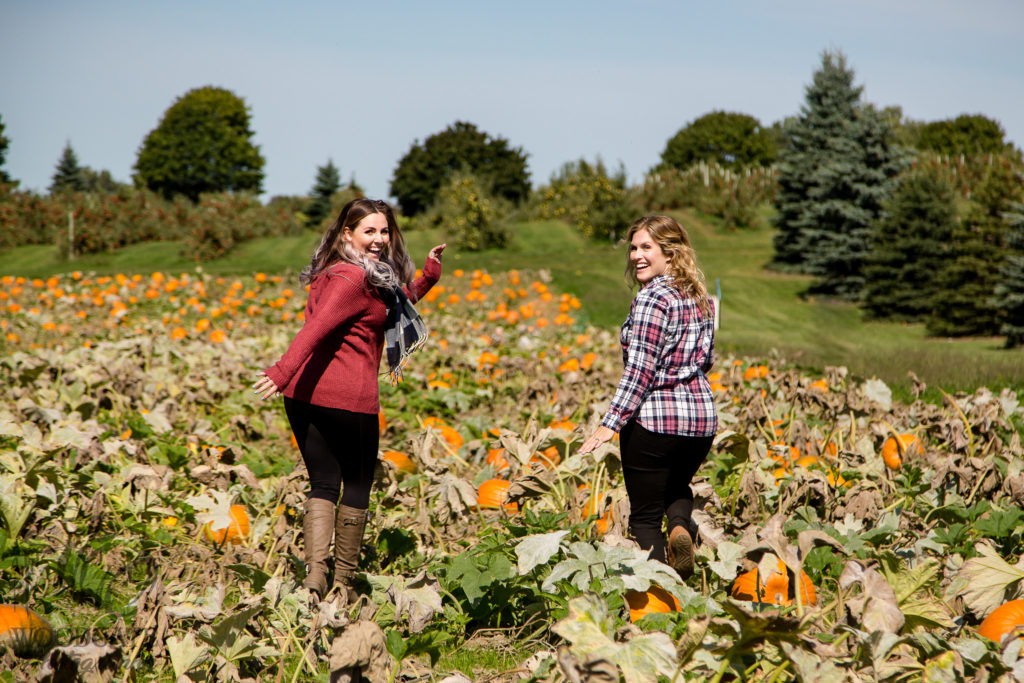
column 986, row 579
column 186, row 654
column 537, row 549
column 590, row 631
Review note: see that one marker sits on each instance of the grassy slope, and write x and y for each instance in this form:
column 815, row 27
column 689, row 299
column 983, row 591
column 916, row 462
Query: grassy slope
column 762, row 311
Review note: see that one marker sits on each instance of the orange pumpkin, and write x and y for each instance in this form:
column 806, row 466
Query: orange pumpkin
column 496, row 459
column 549, row 457
column 400, row 460
column 820, row 385
column 235, row 532
column 779, row 450
column 593, row 504
column 755, row 372
column 655, row 600
column 775, row 589
column 26, row 633
column 836, row 480
column 604, row 522
column 382, row 423
column 894, row 451
column 1003, row 620
column 451, row 436
column 808, row 461
column 492, row 494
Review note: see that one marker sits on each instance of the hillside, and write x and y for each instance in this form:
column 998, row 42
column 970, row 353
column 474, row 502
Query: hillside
column 762, row 312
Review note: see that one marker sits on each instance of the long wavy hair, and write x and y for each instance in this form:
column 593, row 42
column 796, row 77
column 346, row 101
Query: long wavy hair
column 394, row 268
column 671, row 236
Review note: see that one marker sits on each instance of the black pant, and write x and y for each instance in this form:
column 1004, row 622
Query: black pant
column 336, row 445
column 658, row 469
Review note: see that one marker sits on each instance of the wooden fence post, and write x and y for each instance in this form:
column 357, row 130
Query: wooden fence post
column 71, row 235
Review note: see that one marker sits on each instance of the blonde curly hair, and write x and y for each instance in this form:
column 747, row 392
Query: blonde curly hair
column 671, row 237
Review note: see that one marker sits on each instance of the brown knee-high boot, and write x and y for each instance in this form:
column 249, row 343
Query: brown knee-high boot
column 317, row 528
column 348, row 538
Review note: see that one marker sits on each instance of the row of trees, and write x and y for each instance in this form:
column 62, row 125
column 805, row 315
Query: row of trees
column 854, row 212
column 203, row 143
column 902, row 243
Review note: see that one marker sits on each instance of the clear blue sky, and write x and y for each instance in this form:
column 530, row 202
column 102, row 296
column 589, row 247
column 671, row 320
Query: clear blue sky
column 359, row 83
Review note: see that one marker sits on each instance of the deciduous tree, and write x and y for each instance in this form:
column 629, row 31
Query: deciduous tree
column 966, row 134
column 460, row 147
column 726, row 138
column 203, row 143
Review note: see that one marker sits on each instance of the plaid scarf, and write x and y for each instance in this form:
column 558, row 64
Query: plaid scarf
column 404, row 331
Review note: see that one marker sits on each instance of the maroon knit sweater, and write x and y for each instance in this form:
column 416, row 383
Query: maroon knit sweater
column 335, row 358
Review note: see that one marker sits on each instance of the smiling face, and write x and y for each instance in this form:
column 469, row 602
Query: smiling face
column 371, row 235
column 648, row 260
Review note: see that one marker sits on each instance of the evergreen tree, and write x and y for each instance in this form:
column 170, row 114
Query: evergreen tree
column 4, row 144
column 100, row 182
column 979, row 251
column 328, row 181
column 908, row 247
column 69, row 176
column 838, row 168
column 203, row 143
column 1009, row 294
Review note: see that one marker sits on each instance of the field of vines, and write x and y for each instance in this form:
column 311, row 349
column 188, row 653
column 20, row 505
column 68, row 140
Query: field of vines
column 150, row 506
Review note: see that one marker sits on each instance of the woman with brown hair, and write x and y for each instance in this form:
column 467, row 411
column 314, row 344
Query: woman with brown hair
column 360, row 291
column 663, row 407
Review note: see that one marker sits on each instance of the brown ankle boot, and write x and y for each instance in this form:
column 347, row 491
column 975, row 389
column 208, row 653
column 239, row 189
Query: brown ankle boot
column 317, row 528
column 348, row 538
column 680, row 551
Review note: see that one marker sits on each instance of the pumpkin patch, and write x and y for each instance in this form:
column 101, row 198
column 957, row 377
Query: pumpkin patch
column 124, row 430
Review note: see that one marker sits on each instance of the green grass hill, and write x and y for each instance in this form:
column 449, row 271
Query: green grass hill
column 762, row 311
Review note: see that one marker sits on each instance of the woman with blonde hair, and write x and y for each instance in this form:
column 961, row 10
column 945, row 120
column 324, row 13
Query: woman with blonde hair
column 360, row 291
column 663, row 407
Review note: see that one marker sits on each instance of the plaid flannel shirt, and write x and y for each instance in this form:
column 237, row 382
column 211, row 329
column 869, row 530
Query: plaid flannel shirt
column 667, row 346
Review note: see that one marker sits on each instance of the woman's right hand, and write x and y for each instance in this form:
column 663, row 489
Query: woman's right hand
column 601, row 435
column 264, row 386
column 436, row 252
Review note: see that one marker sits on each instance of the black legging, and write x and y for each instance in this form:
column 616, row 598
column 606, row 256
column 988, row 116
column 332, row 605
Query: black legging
column 336, row 445
column 658, row 469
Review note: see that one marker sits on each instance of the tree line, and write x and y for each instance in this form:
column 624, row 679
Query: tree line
column 917, row 221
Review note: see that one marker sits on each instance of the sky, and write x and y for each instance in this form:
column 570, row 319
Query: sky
column 360, row 83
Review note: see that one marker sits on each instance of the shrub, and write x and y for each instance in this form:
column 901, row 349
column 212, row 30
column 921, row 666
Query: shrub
column 27, row 218
column 221, row 221
column 472, row 218
column 586, row 196
column 711, row 189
